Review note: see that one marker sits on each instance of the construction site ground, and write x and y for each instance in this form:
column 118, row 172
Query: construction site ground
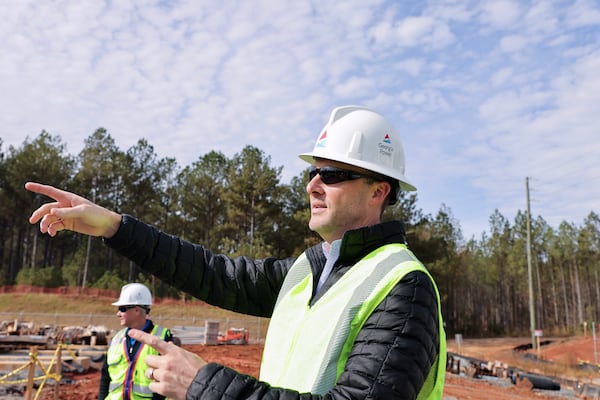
column 561, row 355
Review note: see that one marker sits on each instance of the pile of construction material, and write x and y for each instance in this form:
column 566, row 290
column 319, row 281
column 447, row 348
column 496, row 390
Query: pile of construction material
column 17, row 335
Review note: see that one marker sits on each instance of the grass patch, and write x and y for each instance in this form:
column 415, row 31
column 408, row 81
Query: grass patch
column 83, row 310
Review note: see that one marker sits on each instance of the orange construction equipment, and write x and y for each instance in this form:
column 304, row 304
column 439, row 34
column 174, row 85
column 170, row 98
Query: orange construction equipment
column 234, row 336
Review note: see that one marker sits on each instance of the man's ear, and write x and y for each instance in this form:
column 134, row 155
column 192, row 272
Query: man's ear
column 382, row 189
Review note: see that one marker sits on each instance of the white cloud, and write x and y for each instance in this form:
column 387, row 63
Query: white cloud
column 512, row 43
column 412, row 65
column 501, row 76
column 541, row 19
column 583, row 13
column 483, row 92
column 500, row 14
column 414, row 31
column 354, row 87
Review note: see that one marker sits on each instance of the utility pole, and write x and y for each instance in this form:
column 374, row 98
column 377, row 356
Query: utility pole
column 529, row 272
column 89, row 241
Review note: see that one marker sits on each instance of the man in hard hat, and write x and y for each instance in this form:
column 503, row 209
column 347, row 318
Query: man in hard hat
column 355, row 317
column 125, row 374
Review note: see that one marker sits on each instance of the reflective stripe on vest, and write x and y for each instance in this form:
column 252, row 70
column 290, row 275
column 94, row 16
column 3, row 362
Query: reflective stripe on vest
column 306, row 348
column 120, row 369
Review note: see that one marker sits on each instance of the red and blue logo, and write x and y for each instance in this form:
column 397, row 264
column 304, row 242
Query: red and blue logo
column 322, row 140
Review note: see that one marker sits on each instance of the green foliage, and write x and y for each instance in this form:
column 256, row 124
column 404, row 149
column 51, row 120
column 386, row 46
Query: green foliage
column 47, row 277
column 238, row 206
column 200, row 189
column 251, row 204
column 109, row 281
column 72, row 273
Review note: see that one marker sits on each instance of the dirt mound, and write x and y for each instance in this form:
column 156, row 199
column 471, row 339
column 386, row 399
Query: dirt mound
column 571, row 351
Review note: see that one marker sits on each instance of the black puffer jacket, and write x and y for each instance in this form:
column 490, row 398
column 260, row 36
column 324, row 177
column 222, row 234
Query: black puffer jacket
column 392, row 354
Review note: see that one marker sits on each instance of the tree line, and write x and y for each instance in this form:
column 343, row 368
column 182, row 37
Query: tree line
column 239, row 206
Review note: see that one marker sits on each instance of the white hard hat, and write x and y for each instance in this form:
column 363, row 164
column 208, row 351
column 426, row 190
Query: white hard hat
column 361, row 137
column 134, row 294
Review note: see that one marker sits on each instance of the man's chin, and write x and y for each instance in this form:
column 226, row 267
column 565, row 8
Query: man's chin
column 314, row 228
column 319, row 229
column 317, row 223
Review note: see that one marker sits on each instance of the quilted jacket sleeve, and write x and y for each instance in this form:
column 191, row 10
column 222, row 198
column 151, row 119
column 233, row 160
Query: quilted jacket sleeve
column 243, row 285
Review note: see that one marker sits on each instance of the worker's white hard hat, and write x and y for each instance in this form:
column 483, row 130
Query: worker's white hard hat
column 134, row 294
column 361, row 137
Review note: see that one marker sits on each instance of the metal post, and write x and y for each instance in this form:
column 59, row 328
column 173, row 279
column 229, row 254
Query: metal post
column 594, row 336
column 529, row 272
column 89, row 242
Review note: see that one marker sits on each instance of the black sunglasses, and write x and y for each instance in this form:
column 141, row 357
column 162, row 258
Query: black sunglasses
column 332, row 175
column 125, row 308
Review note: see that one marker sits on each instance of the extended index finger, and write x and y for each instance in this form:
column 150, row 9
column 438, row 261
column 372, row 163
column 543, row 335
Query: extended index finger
column 151, row 340
column 49, row 191
column 46, row 190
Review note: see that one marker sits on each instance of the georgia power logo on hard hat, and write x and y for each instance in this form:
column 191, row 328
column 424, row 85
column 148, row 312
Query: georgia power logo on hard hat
column 322, row 140
column 385, row 146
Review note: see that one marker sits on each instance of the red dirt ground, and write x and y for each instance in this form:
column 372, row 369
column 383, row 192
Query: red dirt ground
column 246, row 359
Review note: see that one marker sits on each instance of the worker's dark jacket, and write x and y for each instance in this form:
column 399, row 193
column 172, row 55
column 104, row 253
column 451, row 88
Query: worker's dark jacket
column 392, row 353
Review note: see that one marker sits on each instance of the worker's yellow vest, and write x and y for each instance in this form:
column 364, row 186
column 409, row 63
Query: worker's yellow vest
column 306, row 347
column 120, row 370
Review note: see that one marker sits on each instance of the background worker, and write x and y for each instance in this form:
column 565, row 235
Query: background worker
column 355, row 317
column 123, row 375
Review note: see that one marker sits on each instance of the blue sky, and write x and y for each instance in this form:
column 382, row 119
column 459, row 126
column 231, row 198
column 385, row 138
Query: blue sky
column 484, row 93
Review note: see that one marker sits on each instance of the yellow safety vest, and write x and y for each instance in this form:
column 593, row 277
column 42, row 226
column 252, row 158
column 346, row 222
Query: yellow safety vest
column 124, row 374
column 307, row 347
